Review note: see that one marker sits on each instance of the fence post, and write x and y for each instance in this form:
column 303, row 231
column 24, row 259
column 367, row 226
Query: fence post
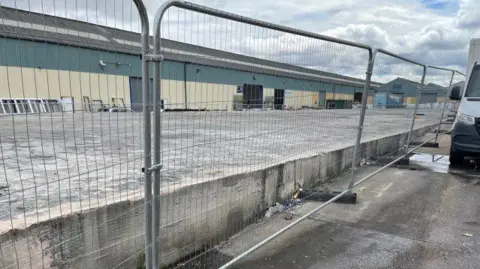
column 444, row 106
column 371, row 62
column 147, row 158
column 157, row 145
column 417, row 101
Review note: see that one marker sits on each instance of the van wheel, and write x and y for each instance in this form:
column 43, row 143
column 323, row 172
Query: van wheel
column 456, row 158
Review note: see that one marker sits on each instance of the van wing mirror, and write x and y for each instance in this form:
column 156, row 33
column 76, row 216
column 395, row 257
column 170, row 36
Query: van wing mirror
column 455, row 93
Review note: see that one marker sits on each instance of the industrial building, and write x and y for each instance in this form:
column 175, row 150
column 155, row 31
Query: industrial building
column 51, row 64
column 431, row 93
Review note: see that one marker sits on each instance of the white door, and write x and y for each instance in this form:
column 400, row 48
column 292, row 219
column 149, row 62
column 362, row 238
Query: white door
column 67, row 103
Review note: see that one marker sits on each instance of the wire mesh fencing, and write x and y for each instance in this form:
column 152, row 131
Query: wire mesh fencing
column 451, row 106
column 435, row 96
column 71, row 139
column 246, row 118
column 392, row 108
column 280, row 95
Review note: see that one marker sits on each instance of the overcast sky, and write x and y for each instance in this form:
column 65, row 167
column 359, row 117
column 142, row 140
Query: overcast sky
column 435, row 32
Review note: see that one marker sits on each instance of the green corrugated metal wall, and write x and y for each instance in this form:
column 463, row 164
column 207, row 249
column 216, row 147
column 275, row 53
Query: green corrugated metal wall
column 53, row 56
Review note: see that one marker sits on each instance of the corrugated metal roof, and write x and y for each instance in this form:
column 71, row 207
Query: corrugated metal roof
column 15, row 23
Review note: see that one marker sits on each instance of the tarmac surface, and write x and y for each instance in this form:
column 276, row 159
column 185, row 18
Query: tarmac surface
column 424, row 215
column 75, row 161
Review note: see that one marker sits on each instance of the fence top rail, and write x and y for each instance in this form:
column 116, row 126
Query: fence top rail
column 446, row 69
column 143, row 14
column 400, row 57
column 441, row 68
column 458, row 72
column 231, row 16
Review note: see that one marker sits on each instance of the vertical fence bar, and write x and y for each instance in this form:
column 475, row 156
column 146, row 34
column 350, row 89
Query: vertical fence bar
column 371, row 62
column 417, row 101
column 147, row 154
column 444, row 104
column 447, row 94
column 157, row 155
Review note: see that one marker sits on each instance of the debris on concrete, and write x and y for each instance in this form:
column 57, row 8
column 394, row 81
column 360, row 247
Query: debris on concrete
column 297, row 194
column 3, row 189
column 288, row 216
column 277, row 208
column 467, row 234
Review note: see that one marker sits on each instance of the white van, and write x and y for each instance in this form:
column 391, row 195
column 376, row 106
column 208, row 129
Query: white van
column 466, row 127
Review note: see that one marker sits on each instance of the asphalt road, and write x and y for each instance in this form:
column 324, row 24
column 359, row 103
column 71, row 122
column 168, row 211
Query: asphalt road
column 421, row 216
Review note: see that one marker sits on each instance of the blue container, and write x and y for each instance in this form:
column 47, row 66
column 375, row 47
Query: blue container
column 394, row 101
column 381, row 100
column 388, row 100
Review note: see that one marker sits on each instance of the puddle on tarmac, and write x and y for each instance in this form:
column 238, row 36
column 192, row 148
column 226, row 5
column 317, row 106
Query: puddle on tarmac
column 441, row 164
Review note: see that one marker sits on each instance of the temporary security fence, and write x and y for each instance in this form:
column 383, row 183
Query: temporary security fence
column 233, row 178
column 72, row 134
column 446, row 79
column 249, row 118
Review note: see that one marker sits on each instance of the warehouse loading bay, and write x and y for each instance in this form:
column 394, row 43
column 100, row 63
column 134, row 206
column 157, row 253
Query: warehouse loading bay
column 421, row 215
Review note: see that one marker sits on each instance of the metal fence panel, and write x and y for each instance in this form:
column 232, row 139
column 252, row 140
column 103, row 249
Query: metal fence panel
column 249, row 120
column 438, row 85
column 71, row 147
column 392, row 108
column 256, row 97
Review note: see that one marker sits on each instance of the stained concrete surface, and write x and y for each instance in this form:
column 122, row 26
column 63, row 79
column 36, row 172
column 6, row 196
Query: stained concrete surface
column 74, row 161
column 406, row 217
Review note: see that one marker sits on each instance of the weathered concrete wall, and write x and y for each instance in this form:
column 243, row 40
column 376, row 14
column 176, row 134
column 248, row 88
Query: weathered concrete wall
column 193, row 216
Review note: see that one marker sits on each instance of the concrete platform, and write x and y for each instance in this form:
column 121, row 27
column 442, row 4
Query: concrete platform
column 53, row 164
column 423, row 216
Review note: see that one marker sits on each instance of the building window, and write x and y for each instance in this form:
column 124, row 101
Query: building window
column 8, row 106
column 36, row 106
column 30, row 105
column 52, row 105
column 23, row 106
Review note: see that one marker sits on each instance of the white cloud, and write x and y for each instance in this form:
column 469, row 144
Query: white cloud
column 469, row 13
column 435, row 32
column 363, row 33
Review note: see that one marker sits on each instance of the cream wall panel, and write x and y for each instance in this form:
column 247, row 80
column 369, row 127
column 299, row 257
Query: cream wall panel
column 102, row 89
column 12, row 85
column 221, row 97
column 92, row 86
column 268, row 92
column 26, row 85
column 290, row 99
column 195, row 94
column 53, row 84
column 173, row 92
column 65, row 82
column 299, row 99
column 41, row 83
column 441, row 99
column 4, row 82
